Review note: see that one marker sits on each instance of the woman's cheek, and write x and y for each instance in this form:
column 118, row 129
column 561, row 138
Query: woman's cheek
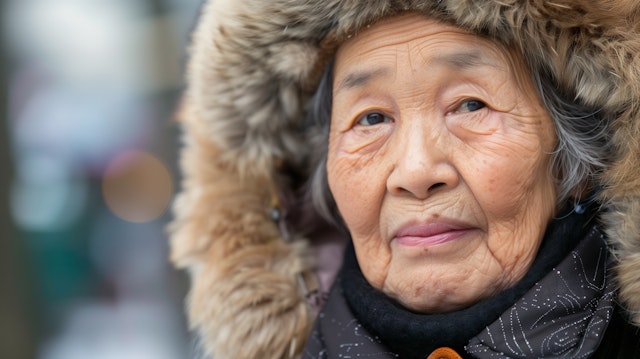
column 356, row 181
column 504, row 168
column 510, row 181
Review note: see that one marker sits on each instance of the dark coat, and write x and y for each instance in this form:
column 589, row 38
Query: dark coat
column 621, row 340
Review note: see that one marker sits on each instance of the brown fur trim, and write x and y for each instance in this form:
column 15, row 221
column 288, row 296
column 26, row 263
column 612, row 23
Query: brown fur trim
column 246, row 306
column 245, row 301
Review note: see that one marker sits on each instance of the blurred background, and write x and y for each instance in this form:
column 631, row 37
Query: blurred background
column 88, row 147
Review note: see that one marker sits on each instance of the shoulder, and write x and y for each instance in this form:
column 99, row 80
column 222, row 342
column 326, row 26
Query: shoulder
column 621, row 340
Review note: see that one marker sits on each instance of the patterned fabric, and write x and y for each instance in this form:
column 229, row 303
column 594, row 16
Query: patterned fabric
column 564, row 316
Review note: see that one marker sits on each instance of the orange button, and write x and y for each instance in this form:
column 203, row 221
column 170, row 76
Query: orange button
column 444, row 353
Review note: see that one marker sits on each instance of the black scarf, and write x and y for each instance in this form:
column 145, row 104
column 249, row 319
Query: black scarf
column 413, row 335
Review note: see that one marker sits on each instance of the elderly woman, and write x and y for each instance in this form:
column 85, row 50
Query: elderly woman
column 476, row 161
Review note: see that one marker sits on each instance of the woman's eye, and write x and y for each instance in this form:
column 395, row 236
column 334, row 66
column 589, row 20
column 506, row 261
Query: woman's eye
column 470, row 106
column 373, row 118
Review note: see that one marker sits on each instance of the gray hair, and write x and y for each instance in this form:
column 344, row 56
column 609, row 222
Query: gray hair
column 582, row 150
column 319, row 120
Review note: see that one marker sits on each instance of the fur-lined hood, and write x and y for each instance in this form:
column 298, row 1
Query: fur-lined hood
column 254, row 64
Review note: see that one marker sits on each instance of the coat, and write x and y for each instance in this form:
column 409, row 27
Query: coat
column 254, row 65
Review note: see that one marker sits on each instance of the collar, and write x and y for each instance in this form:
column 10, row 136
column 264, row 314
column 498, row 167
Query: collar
column 564, row 315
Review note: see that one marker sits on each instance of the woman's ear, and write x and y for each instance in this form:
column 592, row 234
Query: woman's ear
column 581, row 195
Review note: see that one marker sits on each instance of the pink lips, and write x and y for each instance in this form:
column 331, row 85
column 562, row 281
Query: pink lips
column 430, row 233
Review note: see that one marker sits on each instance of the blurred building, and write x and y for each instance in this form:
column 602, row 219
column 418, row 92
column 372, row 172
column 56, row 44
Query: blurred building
column 88, row 172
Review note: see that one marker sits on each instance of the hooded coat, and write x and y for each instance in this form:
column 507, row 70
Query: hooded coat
column 253, row 66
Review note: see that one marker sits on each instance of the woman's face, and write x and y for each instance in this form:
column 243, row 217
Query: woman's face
column 438, row 161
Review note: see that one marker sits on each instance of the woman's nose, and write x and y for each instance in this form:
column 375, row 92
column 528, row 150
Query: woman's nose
column 422, row 165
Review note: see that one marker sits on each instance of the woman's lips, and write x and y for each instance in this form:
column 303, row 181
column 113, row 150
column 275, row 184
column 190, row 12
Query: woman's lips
column 431, row 233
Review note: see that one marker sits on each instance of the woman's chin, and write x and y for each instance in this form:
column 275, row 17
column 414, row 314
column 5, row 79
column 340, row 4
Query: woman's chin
column 436, row 305
column 430, row 305
column 451, row 295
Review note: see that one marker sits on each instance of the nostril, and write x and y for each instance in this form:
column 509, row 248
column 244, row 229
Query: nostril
column 436, row 186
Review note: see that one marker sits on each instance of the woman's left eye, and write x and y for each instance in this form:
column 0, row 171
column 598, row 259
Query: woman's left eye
column 470, row 106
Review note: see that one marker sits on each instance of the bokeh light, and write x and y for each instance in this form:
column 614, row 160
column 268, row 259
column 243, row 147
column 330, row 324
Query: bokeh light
column 137, row 186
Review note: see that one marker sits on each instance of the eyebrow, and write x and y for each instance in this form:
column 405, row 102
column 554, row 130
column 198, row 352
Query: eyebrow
column 361, row 78
column 460, row 60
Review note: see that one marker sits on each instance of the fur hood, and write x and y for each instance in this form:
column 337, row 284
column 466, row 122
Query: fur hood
column 254, row 64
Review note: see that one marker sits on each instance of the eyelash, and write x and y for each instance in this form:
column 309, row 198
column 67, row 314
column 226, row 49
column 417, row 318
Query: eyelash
column 460, row 105
column 361, row 119
column 385, row 119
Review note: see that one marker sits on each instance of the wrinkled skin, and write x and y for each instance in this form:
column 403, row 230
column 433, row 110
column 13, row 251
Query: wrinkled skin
column 438, row 160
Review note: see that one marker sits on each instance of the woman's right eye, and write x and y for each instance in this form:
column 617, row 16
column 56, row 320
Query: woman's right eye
column 373, row 118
